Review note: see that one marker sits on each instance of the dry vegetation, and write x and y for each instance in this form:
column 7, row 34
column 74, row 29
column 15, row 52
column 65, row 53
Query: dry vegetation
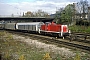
column 14, row 47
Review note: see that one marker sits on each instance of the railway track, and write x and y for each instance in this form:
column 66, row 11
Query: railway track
column 75, row 44
column 66, row 42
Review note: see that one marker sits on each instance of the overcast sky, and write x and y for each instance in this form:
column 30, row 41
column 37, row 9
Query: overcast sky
column 17, row 7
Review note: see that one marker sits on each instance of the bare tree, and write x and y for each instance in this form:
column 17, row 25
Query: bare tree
column 82, row 8
column 41, row 13
column 28, row 14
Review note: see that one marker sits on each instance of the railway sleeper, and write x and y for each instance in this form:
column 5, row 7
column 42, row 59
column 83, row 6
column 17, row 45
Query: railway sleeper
column 74, row 37
column 81, row 36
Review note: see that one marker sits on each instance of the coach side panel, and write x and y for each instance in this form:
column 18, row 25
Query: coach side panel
column 11, row 26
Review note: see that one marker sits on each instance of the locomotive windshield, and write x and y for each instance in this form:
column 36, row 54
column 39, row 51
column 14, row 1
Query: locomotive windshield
column 47, row 23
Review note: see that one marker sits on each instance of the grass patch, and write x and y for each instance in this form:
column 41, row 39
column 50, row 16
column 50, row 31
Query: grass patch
column 81, row 29
column 16, row 50
column 12, row 49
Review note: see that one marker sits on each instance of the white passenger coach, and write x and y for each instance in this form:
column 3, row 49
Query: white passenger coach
column 31, row 26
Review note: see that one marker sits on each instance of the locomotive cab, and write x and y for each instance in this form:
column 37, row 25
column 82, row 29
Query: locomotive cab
column 64, row 30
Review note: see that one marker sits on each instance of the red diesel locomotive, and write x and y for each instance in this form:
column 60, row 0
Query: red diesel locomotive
column 55, row 29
